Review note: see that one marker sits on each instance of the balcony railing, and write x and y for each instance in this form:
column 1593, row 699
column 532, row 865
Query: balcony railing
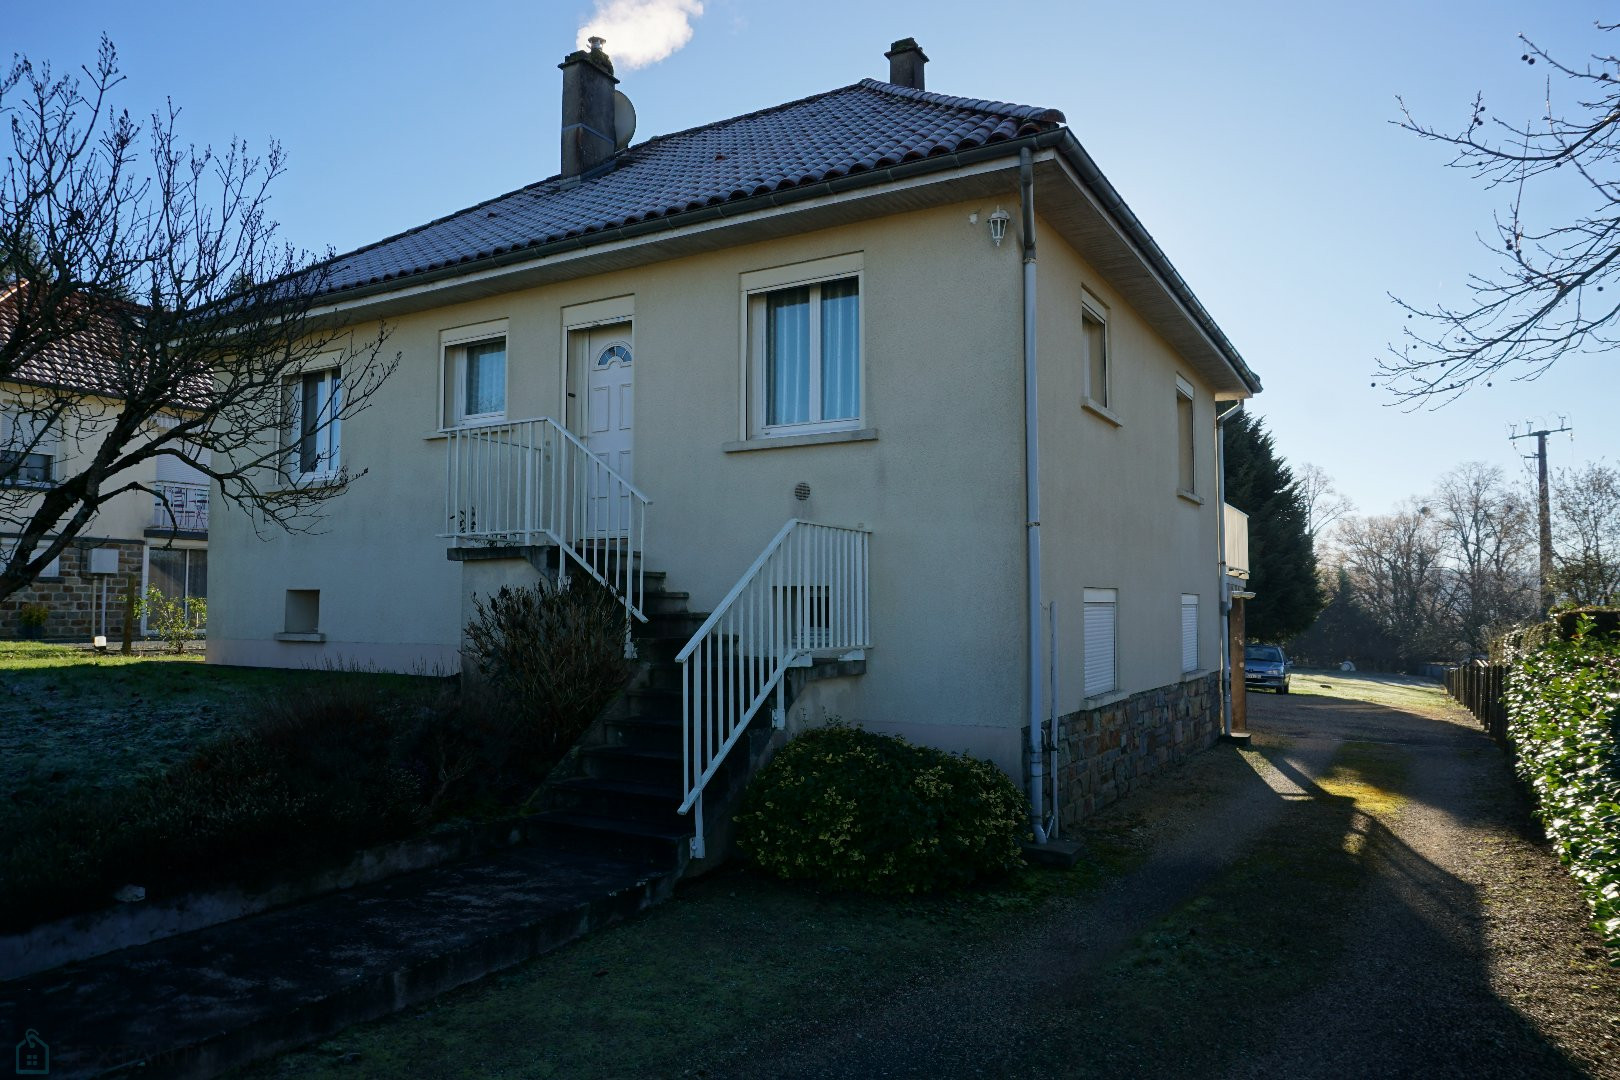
column 1236, row 555
column 180, row 507
column 521, row 482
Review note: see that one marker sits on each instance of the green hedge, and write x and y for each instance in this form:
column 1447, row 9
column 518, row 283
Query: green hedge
column 1563, row 707
column 855, row 811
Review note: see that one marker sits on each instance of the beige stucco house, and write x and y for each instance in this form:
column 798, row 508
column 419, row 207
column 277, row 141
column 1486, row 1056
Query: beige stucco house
column 882, row 310
column 155, row 533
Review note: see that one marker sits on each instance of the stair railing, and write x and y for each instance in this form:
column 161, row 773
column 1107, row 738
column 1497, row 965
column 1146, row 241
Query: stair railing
column 534, row 482
column 804, row 598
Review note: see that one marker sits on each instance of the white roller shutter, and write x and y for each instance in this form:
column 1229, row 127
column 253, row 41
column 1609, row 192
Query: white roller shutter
column 1102, row 609
column 1189, row 632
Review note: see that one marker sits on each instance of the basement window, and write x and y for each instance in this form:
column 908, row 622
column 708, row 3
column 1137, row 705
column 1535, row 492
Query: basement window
column 303, row 611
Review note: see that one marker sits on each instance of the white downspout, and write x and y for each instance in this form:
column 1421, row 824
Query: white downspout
column 1032, row 502
column 1224, row 585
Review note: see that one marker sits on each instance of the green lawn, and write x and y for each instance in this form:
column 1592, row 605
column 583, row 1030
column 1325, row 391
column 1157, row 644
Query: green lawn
column 70, row 717
column 1378, row 688
column 740, row 957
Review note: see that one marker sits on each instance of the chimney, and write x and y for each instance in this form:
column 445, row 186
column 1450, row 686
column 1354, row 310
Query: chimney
column 588, row 130
column 906, row 60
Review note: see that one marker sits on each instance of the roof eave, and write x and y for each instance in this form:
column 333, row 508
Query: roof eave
column 1114, row 205
column 675, row 222
column 1060, row 140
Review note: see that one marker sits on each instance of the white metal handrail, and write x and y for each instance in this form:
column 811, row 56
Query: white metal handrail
column 534, row 482
column 805, row 597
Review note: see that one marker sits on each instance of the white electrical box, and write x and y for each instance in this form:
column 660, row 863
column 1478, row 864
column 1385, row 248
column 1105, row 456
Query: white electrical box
column 104, row 560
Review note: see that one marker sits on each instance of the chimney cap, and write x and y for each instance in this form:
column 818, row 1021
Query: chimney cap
column 904, row 45
column 595, row 57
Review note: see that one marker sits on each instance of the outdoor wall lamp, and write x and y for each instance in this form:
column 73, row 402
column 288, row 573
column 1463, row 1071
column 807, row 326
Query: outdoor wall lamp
column 998, row 225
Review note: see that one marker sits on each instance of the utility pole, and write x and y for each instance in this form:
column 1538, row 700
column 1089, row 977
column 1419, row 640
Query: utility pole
column 1543, row 503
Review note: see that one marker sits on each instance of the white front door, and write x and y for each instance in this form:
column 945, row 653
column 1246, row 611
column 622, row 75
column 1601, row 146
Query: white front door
column 609, row 425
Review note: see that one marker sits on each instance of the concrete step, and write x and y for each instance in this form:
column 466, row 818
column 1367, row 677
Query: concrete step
column 673, row 624
column 198, row 1004
column 632, row 764
column 663, row 602
column 625, row 837
column 648, row 732
column 657, row 701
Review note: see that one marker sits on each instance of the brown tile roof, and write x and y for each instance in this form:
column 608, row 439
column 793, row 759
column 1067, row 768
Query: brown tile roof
column 93, row 358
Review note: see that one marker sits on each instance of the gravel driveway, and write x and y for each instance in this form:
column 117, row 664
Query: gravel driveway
column 1451, row 944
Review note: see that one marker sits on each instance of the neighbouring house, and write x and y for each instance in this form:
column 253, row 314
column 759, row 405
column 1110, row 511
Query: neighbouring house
column 54, row 410
column 891, row 382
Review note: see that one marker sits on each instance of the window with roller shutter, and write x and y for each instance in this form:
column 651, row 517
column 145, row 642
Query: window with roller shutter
column 1101, row 634
column 1189, row 632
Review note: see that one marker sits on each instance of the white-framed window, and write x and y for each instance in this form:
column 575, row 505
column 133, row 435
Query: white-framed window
column 178, row 573
column 1186, row 455
column 1094, row 346
column 474, row 373
column 315, row 435
column 1101, row 641
column 27, row 454
column 52, row 568
column 803, row 347
column 1189, row 632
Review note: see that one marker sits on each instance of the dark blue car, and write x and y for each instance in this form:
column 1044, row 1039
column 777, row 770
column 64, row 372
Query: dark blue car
column 1265, row 665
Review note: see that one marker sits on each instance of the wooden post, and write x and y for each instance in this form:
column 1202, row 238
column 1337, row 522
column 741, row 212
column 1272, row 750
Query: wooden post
column 1234, row 644
column 129, row 622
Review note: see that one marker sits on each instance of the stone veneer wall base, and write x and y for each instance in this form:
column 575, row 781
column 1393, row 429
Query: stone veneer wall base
column 1103, row 753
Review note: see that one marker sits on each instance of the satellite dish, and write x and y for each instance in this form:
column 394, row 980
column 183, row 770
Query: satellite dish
column 624, row 120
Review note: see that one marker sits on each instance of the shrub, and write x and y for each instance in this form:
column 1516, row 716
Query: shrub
column 848, row 809
column 1563, row 709
column 174, row 619
column 555, row 654
column 33, row 617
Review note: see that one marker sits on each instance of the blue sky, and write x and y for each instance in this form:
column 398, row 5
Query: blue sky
column 1253, row 139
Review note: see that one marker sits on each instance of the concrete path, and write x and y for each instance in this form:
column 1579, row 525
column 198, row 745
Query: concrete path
column 1468, row 952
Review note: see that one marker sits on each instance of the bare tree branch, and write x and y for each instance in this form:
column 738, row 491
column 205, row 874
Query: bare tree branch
column 1544, row 296
column 147, row 309
column 1323, row 503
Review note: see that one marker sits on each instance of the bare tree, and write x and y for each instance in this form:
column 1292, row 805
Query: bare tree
column 147, row 308
column 1489, row 535
column 1586, row 519
column 1396, row 567
column 1323, row 503
column 1545, row 295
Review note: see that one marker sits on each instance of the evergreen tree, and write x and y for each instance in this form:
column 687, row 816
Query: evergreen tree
column 1282, row 559
column 1345, row 631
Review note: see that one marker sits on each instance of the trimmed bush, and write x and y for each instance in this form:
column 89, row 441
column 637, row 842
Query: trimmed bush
column 1563, row 709
column 555, row 654
column 851, row 810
